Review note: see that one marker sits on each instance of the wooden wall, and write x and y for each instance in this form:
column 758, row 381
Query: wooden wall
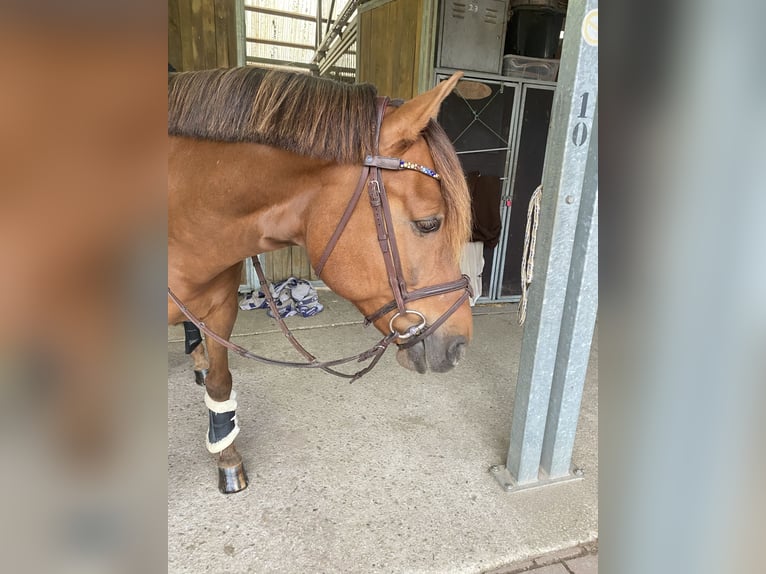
column 288, row 262
column 202, row 34
column 395, row 46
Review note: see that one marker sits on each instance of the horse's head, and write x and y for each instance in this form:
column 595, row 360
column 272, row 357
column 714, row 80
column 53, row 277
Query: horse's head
column 427, row 222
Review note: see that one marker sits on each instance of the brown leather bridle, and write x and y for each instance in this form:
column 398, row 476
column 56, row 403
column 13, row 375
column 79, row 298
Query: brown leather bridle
column 371, row 178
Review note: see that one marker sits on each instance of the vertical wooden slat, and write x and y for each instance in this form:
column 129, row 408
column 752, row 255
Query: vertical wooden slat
column 283, row 258
column 404, row 59
column 273, row 258
column 389, row 49
column 208, row 35
column 401, row 40
column 280, row 264
column 407, row 17
column 268, row 266
column 222, row 17
column 426, row 45
column 370, row 46
column 377, row 65
column 288, row 262
column 416, row 47
column 380, row 64
column 232, row 22
column 365, row 48
column 284, row 264
column 308, row 270
column 288, row 259
column 269, row 258
column 175, row 49
column 187, row 34
column 276, row 266
column 387, row 40
column 359, row 55
column 197, row 45
column 417, row 23
column 287, row 271
column 296, row 261
column 203, row 29
column 361, row 36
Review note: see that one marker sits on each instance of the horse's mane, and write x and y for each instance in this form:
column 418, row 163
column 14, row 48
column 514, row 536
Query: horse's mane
column 296, row 112
column 307, row 115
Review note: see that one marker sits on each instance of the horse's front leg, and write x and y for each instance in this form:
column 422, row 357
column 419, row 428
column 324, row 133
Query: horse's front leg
column 219, row 397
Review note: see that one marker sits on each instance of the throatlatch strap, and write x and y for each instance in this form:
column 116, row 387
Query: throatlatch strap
column 380, row 109
column 343, row 221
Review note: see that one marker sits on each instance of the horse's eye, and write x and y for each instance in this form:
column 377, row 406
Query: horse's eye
column 428, row 225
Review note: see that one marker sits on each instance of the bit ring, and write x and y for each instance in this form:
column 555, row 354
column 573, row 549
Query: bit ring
column 413, row 330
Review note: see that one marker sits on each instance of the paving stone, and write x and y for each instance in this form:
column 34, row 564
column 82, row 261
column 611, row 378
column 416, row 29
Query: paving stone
column 550, row 569
column 558, row 556
column 513, row 568
column 584, row 564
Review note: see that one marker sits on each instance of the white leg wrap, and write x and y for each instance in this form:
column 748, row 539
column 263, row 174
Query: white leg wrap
column 219, row 408
column 218, row 446
column 224, row 406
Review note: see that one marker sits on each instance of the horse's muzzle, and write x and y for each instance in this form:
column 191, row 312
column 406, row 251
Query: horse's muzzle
column 439, row 353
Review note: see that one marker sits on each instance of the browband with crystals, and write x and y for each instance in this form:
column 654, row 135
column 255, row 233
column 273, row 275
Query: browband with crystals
column 417, row 167
column 395, row 163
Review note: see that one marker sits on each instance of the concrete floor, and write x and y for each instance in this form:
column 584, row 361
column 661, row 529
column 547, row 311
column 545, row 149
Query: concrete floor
column 389, row 474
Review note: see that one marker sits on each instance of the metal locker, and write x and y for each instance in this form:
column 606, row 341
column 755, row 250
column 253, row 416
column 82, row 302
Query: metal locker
column 473, row 35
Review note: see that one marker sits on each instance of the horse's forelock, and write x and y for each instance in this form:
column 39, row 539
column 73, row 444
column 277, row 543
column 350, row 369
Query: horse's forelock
column 457, row 221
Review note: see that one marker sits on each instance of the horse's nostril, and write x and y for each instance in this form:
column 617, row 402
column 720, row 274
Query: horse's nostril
column 456, row 350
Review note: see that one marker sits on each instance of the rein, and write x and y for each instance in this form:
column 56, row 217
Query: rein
column 374, row 353
column 371, row 176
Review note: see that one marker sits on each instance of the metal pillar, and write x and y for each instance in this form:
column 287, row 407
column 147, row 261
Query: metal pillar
column 318, row 35
column 563, row 296
column 577, row 327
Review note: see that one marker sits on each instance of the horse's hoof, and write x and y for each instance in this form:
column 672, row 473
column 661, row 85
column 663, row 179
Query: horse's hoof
column 232, row 479
column 200, row 376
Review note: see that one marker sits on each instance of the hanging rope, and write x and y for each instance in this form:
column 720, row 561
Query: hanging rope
column 528, row 253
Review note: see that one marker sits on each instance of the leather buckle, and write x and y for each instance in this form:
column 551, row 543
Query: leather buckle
column 374, row 191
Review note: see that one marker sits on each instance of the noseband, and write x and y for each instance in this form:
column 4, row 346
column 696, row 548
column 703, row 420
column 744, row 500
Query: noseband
column 372, row 176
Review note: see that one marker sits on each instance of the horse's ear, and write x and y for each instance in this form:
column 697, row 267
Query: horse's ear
column 403, row 125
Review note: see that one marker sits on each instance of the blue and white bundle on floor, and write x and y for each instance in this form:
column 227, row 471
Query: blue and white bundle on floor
column 292, row 296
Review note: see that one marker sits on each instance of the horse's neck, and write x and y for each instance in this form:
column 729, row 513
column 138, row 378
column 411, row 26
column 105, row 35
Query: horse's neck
column 237, row 200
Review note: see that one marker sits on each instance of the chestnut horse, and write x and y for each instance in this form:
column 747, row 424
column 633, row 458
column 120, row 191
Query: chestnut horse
column 260, row 160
